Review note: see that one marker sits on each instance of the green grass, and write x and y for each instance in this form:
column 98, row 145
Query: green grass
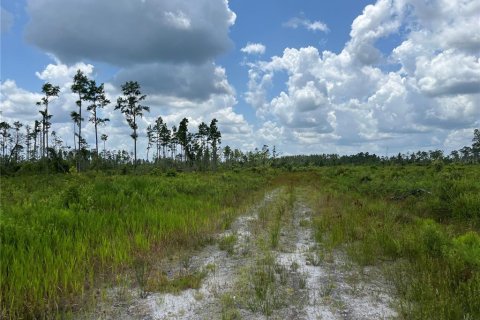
column 419, row 223
column 161, row 283
column 262, row 286
column 227, row 243
column 62, row 234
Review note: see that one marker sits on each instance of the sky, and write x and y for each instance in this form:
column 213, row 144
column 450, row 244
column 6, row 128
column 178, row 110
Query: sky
column 307, row 76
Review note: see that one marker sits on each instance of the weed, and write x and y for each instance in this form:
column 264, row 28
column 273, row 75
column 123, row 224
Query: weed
column 302, row 282
column 313, row 259
column 275, row 235
column 142, row 270
column 227, row 243
column 189, row 280
column 328, row 288
column 229, row 309
column 294, row 266
column 304, row 223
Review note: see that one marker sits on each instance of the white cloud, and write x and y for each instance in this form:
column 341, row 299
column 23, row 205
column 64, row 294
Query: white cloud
column 450, row 72
column 131, row 32
column 297, row 22
column 194, row 82
column 169, row 46
column 254, row 48
column 178, row 20
column 349, row 101
column 19, row 104
column 63, row 74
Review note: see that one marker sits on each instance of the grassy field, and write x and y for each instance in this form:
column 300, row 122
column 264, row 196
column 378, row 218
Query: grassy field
column 419, row 223
column 63, row 235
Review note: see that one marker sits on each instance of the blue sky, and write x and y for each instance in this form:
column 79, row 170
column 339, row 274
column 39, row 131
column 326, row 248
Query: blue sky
column 307, row 76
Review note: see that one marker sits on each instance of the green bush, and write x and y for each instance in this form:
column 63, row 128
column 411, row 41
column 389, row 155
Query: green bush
column 434, row 240
column 466, row 251
column 71, row 197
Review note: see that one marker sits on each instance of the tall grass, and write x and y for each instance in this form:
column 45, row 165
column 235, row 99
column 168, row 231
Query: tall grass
column 420, row 223
column 62, row 234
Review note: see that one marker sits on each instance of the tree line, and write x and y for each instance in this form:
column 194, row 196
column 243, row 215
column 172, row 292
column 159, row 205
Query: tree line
column 465, row 155
column 32, row 147
column 35, row 142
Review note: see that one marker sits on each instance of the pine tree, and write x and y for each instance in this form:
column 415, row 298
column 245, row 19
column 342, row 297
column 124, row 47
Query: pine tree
column 50, row 91
column 130, row 106
column 96, row 95
column 214, row 136
column 182, row 136
column 80, row 86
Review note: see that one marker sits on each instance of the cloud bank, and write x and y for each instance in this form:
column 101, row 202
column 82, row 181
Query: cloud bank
column 417, row 95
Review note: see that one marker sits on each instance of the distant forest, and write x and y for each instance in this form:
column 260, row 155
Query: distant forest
column 33, row 148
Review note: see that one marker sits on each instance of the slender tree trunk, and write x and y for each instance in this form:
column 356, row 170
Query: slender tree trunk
column 214, row 154
column 28, row 150
column 158, row 148
column 46, row 127
column 34, row 146
column 79, row 154
column 135, row 141
column 79, row 122
column 96, row 133
column 43, row 136
column 74, row 137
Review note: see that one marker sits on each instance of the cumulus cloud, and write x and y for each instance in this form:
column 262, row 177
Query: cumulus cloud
column 169, row 47
column 6, row 20
column 195, row 82
column 297, row 22
column 125, row 32
column 63, row 74
column 353, row 98
column 19, row 104
column 254, row 48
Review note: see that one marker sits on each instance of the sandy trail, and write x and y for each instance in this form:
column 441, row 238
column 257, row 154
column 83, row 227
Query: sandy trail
column 334, row 289
column 306, row 285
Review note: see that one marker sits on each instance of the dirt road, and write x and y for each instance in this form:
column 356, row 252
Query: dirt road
column 266, row 266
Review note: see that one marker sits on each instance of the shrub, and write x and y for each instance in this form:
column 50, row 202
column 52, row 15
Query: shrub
column 71, row 197
column 466, row 250
column 171, row 173
column 434, row 240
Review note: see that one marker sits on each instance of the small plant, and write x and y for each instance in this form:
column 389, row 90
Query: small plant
column 302, row 282
column 71, row 197
column 304, row 223
column 171, row 173
column 198, row 296
column 181, row 282
column 313, row 259
column 227, row 243
column 229, row 309
column 294, row 266
column 142, row 270
column 328, row 289
column 275, row 235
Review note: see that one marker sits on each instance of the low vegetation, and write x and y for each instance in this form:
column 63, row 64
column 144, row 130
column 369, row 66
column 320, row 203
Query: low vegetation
column 417, row 222
column 63, row 234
